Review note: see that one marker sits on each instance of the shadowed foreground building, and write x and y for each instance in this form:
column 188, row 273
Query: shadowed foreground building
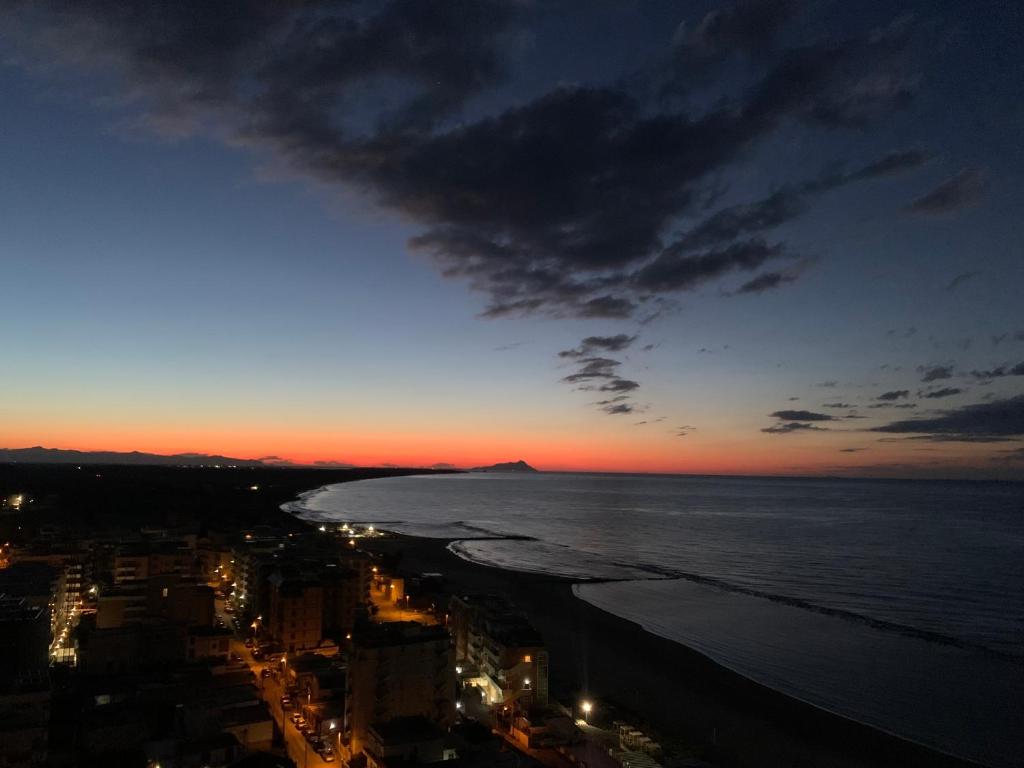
column 296, row 612
column 397, row 670
column 24, row 683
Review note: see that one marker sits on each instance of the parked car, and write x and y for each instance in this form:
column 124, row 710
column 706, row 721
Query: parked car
column 326, row 755
column 248, row 642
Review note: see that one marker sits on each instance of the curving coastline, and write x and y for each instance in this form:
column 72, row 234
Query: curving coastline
column 558, row 609
column 680, row 692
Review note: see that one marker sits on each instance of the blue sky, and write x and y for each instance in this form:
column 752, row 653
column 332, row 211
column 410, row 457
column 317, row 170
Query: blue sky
column 153, row 280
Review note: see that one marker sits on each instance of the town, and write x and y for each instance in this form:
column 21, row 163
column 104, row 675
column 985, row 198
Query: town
column 270, row 645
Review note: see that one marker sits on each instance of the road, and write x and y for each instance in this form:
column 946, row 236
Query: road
column 389, row 611
column 299, row 750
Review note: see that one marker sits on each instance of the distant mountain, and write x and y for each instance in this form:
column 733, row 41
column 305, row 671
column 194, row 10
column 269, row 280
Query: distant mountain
column 40, row 455
column 507, row 466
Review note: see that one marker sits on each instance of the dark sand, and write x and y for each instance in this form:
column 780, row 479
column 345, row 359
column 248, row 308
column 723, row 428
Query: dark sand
column 684, row 697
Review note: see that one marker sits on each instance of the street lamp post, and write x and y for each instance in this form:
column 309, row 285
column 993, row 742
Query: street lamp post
column 586, row 706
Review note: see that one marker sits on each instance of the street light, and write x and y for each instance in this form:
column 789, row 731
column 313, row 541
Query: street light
column 586, row 706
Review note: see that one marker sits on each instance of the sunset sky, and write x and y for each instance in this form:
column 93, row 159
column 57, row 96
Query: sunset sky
column 770, row 237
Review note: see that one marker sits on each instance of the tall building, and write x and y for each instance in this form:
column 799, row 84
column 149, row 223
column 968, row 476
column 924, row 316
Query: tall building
column 499, row 651
column 24, row 685
column 343, row 599
column 296, row 612
column 400, row 669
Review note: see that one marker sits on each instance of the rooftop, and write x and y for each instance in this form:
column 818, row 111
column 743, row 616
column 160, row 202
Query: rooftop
column 405, row 730
column 399, row 633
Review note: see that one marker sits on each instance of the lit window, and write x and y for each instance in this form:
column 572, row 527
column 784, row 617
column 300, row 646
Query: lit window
column 527, row 659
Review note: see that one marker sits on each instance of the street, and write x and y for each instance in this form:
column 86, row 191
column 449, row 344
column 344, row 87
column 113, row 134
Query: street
column 298, row 748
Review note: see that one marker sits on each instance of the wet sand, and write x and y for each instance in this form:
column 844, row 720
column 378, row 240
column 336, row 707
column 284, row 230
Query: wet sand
column 686, row 699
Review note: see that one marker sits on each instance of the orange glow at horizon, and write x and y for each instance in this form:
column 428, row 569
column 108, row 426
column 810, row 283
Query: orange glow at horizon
column 576, row 452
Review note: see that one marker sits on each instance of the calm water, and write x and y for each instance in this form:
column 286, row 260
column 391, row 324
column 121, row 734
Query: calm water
column 900, row 604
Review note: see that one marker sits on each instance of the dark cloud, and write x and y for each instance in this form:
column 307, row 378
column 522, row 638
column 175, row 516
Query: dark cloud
column 999, row 372
column 800, row 416
column 684, row 430
column 981, row 422
column 748, row 26
column 827, row 384
column 786, row 204
column 790, row 427
column 560, row 205
column 765, row 282
column 850, row 450
column 619, row 408
column 619, row 385
column 508, row 347
column 592, row 344
column 893, row 405
column 673, row 271
column 895, row 394
column 961, row 191
column 999, row 338
column 593, row 368
column 935, row 372
column 960, row 279
column 836, row 405
column 937, row 393
column 599, row 374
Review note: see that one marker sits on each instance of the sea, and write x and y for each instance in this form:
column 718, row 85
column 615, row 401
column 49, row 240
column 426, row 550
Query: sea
column 899, row 604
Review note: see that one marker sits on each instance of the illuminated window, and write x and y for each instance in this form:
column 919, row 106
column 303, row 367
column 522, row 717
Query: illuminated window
column 527, row 659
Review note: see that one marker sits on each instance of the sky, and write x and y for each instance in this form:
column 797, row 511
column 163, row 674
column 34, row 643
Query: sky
column 749, row 238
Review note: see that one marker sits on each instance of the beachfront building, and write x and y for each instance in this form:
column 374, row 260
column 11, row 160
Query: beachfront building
column 399, row 669
column 498, row 651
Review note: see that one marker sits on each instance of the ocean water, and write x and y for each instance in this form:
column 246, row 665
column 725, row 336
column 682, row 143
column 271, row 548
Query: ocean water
column 899, row 604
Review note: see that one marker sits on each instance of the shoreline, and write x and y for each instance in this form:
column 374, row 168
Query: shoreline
column 686, row 697
column 717, row 713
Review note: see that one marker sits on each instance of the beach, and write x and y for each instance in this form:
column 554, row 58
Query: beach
column 688, row 701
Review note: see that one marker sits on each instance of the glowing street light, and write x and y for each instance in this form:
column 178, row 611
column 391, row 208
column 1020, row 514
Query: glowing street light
column 586, row 706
